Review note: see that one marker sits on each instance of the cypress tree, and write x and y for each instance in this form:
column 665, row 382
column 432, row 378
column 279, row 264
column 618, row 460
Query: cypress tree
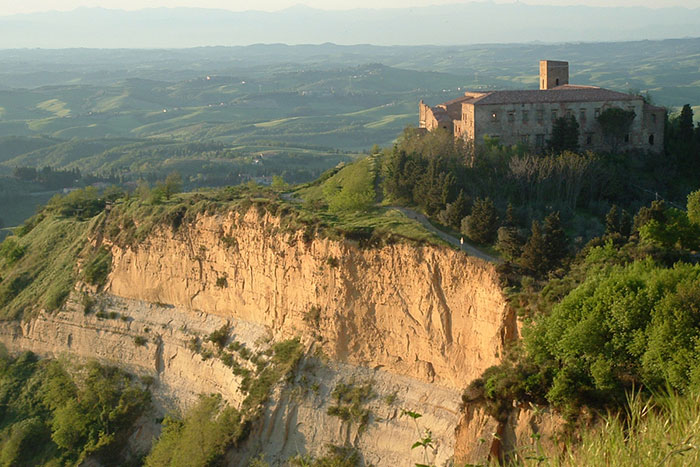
column 612, row 220
column 533, row 257
column 457, row 210
column 565, row 134
column 510, row 241
column 556, row 247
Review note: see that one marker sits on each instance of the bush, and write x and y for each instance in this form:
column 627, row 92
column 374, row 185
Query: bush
column 349, row 401
column 220, row 336
column 11, row 250
column 634, row 325
column 48, row 419
column 140, row 341
column 202, row 437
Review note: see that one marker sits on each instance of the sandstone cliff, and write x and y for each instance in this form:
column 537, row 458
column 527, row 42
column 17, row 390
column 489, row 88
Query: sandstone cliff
column 418, row 322
column 422, row 311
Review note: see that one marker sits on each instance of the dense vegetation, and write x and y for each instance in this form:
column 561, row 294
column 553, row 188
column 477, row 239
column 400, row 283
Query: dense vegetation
column 54, row 413
column 614, row 315
column 211, row 427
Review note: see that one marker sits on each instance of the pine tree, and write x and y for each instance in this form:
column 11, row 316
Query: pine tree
column 510, row 242
column 612, row 220
column 565, row 134
column 457, row 210
column 482, row 224
column 556, row 248
column 685, row 124
column 533, row 257
column 625, row 224
column 511, row 219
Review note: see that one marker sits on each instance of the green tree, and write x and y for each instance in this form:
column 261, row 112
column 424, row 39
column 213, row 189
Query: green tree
column 565, row 134
column 556, row 245
column 456, row 211
column 482, row 224
column 510, row 242
column 278, row 183
column 685, row 124
column 533, row 258
column 694, row 207
column 172, row 185
column 673, row 231
column 615, row 124
column 646, row 214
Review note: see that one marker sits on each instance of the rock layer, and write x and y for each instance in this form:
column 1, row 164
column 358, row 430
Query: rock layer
column 422, row 311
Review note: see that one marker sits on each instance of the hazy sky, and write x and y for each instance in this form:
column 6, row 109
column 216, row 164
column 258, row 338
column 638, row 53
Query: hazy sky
column 8, row 7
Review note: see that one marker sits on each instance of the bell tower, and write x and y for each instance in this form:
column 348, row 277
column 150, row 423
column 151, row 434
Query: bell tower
column 553, row 74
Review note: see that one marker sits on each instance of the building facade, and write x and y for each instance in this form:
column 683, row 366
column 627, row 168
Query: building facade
column 527, row 116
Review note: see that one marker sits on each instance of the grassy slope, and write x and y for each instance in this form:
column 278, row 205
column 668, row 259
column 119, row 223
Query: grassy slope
column 47, row 269
column 358, row 178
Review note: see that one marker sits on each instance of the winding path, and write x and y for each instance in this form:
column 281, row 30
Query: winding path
column 410, row 213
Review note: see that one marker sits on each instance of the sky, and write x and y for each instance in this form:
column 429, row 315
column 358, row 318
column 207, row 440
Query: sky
column 9, row 7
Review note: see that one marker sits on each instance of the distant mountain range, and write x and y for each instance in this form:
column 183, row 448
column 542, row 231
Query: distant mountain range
column 471, row 23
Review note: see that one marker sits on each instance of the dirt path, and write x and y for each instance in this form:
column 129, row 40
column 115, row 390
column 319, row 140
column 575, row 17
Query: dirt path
column 411, row 214
column 445, row 236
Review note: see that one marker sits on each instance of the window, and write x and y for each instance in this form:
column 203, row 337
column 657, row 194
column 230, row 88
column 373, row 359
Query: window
column 539, row 141
column 597, row 113
column 627, row 138
column 557, row 81
column 540, row 116
column 525, row 139
column 651, row 140
column 582, row 114
column 653, row 118
column 494, row 117
column 526, row 117
column 569, row 113
column 589, row 138
column 554, row 115
column 511, row 116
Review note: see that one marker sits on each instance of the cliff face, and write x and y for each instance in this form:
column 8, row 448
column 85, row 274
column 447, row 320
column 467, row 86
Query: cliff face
column 421, row 311
column 418, row 323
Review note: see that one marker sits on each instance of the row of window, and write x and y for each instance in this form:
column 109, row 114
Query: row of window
column 540, row 139
column 554, row 114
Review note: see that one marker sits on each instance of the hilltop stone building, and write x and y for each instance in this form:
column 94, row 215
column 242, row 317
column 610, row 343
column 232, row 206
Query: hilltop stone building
column 527, row 116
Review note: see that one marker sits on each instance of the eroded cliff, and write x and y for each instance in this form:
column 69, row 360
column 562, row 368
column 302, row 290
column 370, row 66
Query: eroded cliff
column 415, row 322
column 421, row 311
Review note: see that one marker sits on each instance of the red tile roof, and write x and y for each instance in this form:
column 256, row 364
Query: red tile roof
column 565, row 93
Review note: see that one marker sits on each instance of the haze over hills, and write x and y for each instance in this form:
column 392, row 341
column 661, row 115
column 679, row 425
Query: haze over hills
column 478, row 22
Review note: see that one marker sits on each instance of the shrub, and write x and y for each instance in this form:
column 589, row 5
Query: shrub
column 349, row 401
column 220, row 336
column 11, row 250
column 202, row 437
column 140, row 340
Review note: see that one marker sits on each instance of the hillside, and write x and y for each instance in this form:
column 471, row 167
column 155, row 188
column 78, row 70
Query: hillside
column 403, row 316
column 329, row 304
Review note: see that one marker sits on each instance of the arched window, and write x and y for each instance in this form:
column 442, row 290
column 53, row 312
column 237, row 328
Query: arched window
column 651, row 140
